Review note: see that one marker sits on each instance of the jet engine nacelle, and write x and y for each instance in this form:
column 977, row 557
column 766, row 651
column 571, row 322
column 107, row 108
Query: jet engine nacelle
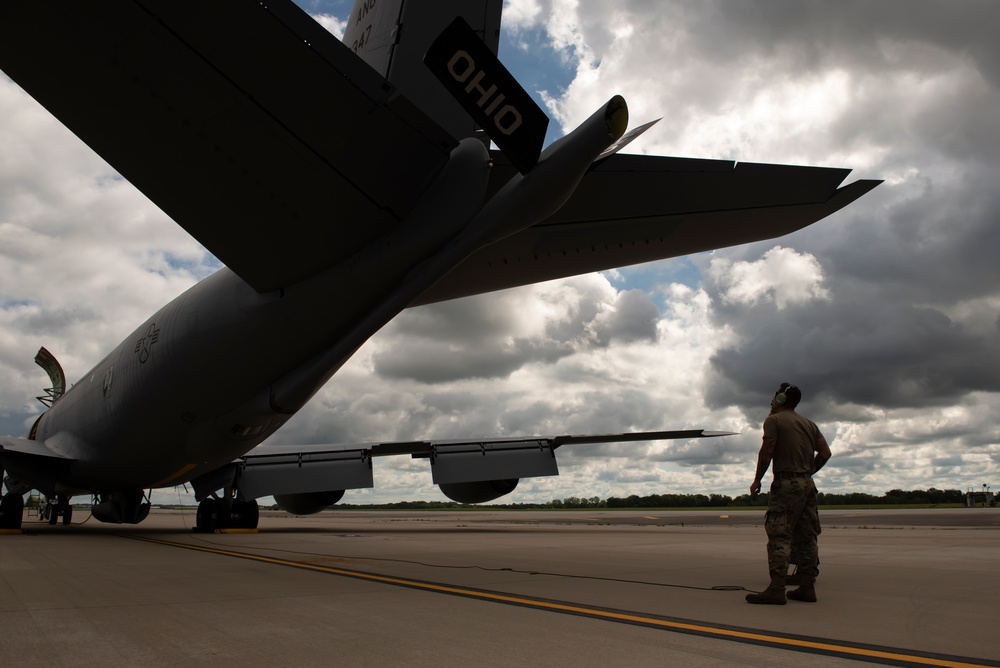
column 479, row 491
column 308, row 503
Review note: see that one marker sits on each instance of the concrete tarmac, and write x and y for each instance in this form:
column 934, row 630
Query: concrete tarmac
column 497, row 588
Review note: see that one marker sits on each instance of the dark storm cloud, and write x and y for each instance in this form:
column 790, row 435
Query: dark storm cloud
column 811, row 33
column 492, row 336
column 884, row 336
column 458, row 320
column 430, row 361
column 468, row 338
column 634, row 318
column 943, row 47
column 706, row 451
column 911, row 318
column 54, row 321
column 600, row 412
column 855, row 351
column 623, row 409
column 938, row 245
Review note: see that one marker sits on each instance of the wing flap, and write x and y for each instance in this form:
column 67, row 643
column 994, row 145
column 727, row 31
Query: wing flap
column 248, row 124
column 304, row 472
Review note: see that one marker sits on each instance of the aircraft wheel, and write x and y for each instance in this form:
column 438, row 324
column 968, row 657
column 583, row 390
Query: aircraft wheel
column 67, row 515
column 52, row 512
column 11, row 509
column 249, row 514
column 205, row 520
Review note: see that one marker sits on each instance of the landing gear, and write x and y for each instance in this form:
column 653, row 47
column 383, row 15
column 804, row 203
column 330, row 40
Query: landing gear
column 205, row 520
column 11, row 505
column 246, row 514
column 55, row 509
column 11, row 509
column 227, row 512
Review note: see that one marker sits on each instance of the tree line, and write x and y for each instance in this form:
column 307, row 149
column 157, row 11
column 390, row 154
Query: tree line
column 930, row 496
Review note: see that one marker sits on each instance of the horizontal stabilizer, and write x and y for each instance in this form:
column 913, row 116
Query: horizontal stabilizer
column 489, row 93
column 630, row 209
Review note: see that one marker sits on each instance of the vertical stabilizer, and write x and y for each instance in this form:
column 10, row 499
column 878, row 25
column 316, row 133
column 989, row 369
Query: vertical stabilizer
column 393, row 35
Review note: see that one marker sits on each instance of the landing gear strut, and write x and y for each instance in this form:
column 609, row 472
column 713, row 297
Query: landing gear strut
column 226, row 512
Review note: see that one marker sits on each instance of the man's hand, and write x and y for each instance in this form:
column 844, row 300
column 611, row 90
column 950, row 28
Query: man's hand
column 755, row 488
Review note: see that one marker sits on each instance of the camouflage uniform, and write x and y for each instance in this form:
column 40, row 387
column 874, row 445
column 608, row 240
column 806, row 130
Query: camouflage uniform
column 792, row 517
column 796, row 558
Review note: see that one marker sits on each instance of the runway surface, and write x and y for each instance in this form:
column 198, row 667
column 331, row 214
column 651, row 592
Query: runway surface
column 583, row 588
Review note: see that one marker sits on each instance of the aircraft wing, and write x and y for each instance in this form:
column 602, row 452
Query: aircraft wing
column 246, row 122
column 281, row 469
column 27, row 447
column 22, row 458
column 636, row 208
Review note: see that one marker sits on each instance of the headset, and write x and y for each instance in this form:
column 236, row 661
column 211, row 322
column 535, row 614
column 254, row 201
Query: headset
column 782, row 395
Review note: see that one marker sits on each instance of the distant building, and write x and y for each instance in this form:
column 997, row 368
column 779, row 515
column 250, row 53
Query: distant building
column 973, row 499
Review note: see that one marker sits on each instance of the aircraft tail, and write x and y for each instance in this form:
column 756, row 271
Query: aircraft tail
column 393, row 35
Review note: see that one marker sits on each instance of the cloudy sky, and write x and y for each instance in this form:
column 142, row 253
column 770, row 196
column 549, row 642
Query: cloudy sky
column 886, row 314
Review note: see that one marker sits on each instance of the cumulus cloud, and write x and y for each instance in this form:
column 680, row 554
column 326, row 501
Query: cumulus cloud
column 333, row 24
column 781, row 275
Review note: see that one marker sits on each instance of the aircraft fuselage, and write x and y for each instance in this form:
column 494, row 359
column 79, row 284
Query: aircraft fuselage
column 221, row 367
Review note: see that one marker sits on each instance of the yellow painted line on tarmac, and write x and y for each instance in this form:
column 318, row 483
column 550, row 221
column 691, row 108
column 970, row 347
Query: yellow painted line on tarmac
column 234, row 531
column 817, row 646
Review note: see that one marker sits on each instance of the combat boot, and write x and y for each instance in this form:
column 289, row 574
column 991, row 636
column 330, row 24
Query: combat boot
column 773, row 595
column 806, row 591
column 793, row 579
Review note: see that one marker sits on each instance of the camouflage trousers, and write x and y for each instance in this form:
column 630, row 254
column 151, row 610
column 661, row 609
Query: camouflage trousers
column 792, row 519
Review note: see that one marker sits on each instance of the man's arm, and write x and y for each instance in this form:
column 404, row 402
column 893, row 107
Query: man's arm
column 763, row 461
column 823, row 454
column 765, row 455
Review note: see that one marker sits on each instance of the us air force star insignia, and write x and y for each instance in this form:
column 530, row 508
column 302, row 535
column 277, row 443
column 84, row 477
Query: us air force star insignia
column 145, row 344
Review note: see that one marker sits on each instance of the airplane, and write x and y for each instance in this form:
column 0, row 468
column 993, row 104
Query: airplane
column 339, row 183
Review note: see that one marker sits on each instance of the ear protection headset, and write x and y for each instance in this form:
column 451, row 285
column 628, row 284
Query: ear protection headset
column 782, row 396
